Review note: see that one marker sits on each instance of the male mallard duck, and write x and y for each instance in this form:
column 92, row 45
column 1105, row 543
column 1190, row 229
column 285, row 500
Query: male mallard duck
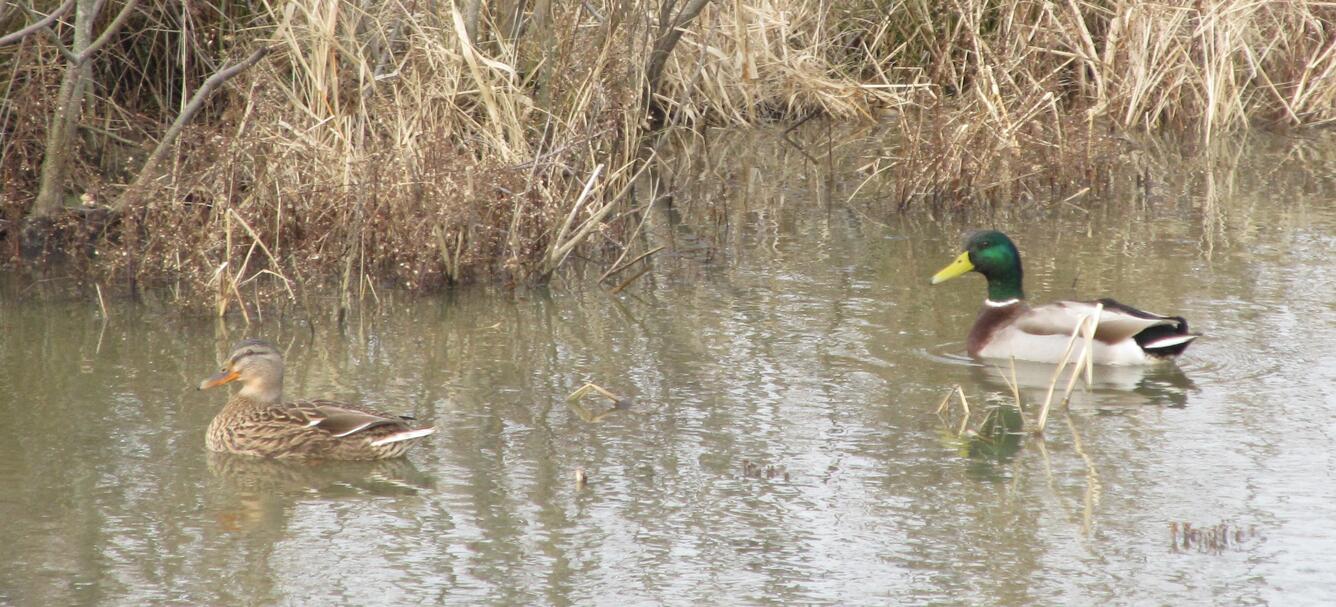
column 1009, row 328
column 256, row 421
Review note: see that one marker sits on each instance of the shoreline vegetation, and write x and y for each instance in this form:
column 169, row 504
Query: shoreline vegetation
column 238, row 152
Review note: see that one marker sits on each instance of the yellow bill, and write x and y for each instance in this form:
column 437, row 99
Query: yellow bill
column 960, row 266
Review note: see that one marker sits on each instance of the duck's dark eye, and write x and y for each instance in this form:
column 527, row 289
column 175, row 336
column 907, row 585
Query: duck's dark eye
column 985, row 244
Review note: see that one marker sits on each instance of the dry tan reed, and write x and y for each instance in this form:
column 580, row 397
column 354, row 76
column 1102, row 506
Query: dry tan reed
column 419, row 145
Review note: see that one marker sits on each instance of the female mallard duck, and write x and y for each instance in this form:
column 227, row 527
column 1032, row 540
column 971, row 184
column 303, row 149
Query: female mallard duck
column 1008, row 328
column 256, row 421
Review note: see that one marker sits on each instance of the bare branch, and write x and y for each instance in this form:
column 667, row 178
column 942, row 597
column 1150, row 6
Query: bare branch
column 672, row 30
column 14, row 37
column 472, row 14
column 54, row 39
column 150, row 170
column 107, row 33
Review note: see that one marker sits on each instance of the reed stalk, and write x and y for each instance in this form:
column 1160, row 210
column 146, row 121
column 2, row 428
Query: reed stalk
column 424, row 145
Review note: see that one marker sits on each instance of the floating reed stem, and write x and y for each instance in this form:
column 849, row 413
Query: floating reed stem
column 102, row 304
column 573, row 400
column 1086, row 326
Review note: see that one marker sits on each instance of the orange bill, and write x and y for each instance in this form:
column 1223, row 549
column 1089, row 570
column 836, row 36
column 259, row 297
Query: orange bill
column 224, row 376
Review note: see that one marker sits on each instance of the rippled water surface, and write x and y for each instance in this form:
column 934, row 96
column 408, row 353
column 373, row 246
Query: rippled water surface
column 782, row 445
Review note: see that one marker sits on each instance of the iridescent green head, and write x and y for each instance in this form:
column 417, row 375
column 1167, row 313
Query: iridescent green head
column 992, row 254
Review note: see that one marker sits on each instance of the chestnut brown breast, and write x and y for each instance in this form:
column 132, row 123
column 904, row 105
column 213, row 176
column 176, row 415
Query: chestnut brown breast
column 990, row 320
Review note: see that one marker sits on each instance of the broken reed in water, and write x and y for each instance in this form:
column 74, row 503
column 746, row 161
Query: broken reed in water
column 423, row 145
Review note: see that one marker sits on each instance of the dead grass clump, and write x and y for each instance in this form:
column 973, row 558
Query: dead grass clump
column 949, row 157
column 745, row 63
column 419, row 145
column 1034, row 97
column 414, row 162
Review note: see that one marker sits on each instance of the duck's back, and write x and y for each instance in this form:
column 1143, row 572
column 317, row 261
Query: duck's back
column 310, row 429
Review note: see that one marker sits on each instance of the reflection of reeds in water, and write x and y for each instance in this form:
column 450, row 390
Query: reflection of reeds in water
column 997, row 434
column 1000, row 432
column 997, row 423
column 1114, row 386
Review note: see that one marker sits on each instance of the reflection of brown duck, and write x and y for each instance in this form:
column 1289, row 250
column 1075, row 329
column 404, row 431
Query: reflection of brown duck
column 273, row 476
column 260, row 492
column 256, row 421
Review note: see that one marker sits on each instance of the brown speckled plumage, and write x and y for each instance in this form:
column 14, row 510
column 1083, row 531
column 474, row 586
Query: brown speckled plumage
column 256, row 422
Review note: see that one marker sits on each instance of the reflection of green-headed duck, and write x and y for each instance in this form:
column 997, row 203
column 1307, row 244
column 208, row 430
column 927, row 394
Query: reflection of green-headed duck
column 1009, row 328
column 257, row 422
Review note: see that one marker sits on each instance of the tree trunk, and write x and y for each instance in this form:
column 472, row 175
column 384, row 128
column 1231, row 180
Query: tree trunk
column 60, row 137
column 472, row 14
column 670, row 32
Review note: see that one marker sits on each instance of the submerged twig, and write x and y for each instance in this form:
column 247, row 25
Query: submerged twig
column 100, row 302
column 618, row 403
column 618, row 269
column 785, row 136
column 633, row 278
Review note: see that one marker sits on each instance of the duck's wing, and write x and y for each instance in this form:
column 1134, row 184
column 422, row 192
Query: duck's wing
column 1117, row 322
column 341, row 419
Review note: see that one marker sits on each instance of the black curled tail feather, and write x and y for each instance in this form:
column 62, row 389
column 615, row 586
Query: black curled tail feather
column 1150, row 339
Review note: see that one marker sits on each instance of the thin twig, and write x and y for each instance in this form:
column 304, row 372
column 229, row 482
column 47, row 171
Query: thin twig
column 14, row 37
column 102, row 304
column 785, row 137
column 1057, row 372
column 627, row 282
column 575, row 210
column 618, row 269
column 946, row 400
column 108, row 32
column 964, row 404
column 272, row 260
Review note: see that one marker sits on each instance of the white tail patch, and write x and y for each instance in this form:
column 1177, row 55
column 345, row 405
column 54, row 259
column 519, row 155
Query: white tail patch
column 1169, row 342
column 406, row 435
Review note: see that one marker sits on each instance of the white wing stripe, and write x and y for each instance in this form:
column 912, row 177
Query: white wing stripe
column 398, row 436
column 355, row 429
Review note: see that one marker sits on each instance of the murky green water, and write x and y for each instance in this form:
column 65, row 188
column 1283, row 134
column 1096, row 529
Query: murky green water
column 783, row 445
